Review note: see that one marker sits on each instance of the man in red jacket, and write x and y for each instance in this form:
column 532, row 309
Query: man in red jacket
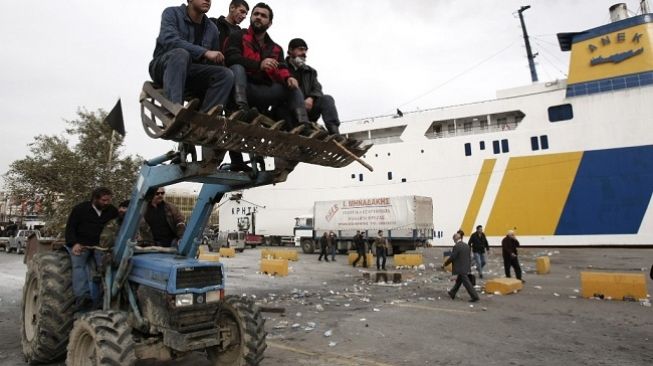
column 262, row 78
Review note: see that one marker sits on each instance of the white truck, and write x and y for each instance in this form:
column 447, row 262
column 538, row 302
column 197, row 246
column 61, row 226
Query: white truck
column 406, row 221
column 18, row 242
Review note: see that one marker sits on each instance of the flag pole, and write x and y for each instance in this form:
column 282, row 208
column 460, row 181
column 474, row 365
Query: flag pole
column 113, row 132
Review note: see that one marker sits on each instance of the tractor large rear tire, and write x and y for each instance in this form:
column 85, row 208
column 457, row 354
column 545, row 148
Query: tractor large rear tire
column 48, row 306
column 101, row 338
column 247, row 327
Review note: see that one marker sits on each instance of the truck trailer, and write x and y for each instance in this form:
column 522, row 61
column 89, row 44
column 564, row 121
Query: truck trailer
column 407, row 222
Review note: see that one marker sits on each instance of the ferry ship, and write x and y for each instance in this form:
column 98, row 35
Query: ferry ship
column 562, row 163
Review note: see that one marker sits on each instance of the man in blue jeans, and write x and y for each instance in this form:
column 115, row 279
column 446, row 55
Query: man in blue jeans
column 478, row 242
column 186, row 57
column 83, row 229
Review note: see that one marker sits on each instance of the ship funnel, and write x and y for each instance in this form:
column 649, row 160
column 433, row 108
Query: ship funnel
column 618, row 12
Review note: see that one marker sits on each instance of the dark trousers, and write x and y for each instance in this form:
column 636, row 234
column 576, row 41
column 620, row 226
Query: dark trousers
column 510, row 261
column 323, row 252
column 360, row 255
column 178, row 74
column 264, row 96
column 325, row 106
column 464, row 280
column 380, row 258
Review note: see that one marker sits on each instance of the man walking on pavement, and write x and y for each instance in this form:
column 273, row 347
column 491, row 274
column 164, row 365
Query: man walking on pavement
column 317, row 104
column 509, row 246
column 381, row 248
column 333, row 245
column 479, row 244
column 324, row 244
column 359, row 242
column 461, row 267
column 83, row 230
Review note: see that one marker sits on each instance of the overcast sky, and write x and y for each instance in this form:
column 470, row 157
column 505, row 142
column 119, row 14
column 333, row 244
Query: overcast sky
column 372, row 56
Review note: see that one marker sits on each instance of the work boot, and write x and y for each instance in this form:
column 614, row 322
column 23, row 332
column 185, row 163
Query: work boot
column 333, row 129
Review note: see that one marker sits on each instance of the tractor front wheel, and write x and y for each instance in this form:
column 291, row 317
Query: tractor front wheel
column 241, row 320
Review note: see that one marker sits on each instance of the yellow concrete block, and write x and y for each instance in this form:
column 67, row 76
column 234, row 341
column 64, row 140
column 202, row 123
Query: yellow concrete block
column 353, row 255
column 504, row 286
column 267, row 253
column 615, row 286
column 288, row 254
column 204, row 249
column 228, row 252
column 277, row 267
column 413, row 259
column 449, row 267
column 543, row 265
column 209, row 257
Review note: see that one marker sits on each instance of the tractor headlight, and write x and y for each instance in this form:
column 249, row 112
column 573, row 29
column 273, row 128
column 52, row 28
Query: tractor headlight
column 184, row 300
column 214, row 296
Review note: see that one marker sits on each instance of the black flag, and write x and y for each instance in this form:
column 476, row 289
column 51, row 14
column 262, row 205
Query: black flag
column 115, row 120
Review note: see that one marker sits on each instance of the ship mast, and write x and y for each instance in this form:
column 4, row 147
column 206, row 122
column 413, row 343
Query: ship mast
column 529, row 52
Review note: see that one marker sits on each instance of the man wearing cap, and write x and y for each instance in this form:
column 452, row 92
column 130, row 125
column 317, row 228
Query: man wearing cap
column 317, row 104
column 262, row 78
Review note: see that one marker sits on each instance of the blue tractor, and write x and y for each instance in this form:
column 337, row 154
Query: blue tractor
column 163, row 303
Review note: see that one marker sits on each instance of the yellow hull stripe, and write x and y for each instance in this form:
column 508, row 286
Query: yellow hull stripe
column 533, row 194
column 478, row 195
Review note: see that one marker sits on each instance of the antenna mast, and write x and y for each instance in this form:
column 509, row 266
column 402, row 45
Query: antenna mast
column 529, row 52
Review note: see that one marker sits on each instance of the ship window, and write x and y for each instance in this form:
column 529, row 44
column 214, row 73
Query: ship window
column 403, row 180
column 388, row 154
column 504, row 146
column 535, row 144
column 495, row 146
column 544, row 141
column 360, row 177
column 389, row 175
column 387, row 135
column 481, row 145
column 422, row 151
column 562, row 112
column 468, row 149
column 353, row 176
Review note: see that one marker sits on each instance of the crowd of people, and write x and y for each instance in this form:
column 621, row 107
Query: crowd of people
column 240, row 72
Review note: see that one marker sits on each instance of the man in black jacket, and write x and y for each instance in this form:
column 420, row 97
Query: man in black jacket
column 479, row 244
column 359, row 243
column 317, row 104
column 238, row 10
column 83, row 230
column 509, row 246
column 461, row 267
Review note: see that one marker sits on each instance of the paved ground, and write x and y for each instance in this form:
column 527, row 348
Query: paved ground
column 415, row 323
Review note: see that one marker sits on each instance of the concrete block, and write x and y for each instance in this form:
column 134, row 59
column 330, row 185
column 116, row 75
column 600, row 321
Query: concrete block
column 353, row 255
column 209, row 257
column 412, row 259
column 613, row 285
column 504, row 286
column 277, row 267
column 228, row 252
column 543, row 265
column 288, row 254
column 394, row 277
column 267, row 254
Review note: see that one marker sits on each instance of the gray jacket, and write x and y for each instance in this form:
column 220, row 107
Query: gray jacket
column 460, row 257
column 177, row 31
